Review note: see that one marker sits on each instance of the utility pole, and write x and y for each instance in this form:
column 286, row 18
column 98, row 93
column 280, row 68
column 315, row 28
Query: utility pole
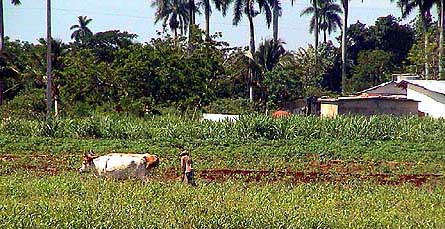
column 49, row 94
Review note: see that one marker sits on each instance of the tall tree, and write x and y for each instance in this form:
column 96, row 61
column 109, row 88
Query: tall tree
column 49, row 93
column 314, row 24
column 345, row 4
column 2, row 24
column 247, row 7
column 220, row 5
column 192, row 13
column 330, row 18
column 81, row 31
column 344, row 45
column 172, row 13
column 424, row 7
column 276, row 13
column 441, row 38
column 2, row 41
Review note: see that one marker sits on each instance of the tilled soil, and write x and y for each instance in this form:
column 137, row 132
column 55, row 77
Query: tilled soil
column 334, row 171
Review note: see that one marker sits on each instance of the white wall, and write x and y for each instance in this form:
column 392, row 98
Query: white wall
column 431, row 103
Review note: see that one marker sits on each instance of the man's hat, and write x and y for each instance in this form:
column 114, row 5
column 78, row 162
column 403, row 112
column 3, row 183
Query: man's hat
column 183, row 153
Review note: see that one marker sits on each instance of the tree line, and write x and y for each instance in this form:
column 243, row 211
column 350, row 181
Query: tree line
column 94, row 69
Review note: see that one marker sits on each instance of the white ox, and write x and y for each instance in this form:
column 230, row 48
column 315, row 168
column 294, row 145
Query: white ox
column 120, row 166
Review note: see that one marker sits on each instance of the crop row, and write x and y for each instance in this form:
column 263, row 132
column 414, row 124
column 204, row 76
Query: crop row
column 70, row 201
column 253, row 127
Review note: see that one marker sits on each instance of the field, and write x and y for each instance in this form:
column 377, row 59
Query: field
column 301, row 172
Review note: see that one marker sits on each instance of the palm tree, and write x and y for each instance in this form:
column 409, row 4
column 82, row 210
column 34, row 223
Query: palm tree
column 276, row 13
column 81, row 31
column 173, row 13
column 2, row 24
column 220, row 5
column 247, row 7
column 441, row 38
column 192, row 11
column 269, row 53
column 267, row 58
column 424, row 7
column 2, row 41
column 314, row 23
column 330, row 18
column 344, row 46
column 49, row 85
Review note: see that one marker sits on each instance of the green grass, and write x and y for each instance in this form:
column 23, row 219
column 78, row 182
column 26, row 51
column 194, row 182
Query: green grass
column 32, row 198
column 72, row 201
column 183, row 130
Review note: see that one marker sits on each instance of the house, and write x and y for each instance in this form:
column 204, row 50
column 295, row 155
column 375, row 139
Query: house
column 385, row 89
column 391, row 87
column 368, row 105
column 429, row 93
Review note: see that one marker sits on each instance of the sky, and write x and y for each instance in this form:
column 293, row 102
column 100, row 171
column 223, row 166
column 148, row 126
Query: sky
column 28, row 21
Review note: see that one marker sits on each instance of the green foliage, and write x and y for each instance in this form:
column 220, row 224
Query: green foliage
column 86, row 80
column 373, row 68
column 282, row 85
column 231, row 106
column 28, row 103
column 303, row 75
column 76, row 202
column 386, row 35
column 251, row 127
column 417, row 56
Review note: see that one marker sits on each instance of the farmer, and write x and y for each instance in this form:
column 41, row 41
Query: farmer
column 186, row 168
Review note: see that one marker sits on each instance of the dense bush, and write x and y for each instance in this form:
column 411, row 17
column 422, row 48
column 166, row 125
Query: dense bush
column 231, row 106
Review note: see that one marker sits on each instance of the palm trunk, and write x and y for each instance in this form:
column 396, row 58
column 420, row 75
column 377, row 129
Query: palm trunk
column 48, row 61
column 2, row 47
column 441, row 75
column 344, row 45
column 324, row 36
column 207, row 19
column 2, row 27
column 314, row 2
column 425, row 34
column 252, row 51
column 276, row 14
column 181, row 26
column 192, row 18
column 2, row 89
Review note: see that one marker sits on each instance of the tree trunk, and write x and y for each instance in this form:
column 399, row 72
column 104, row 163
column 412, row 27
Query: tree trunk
column 2, row 89
column 252, row 50
column 276, row 14
column 181, row 26
column 192, row 18
column 49, row 93
column 441, row 75
column 207, row 19
column 324, row 36
column 344, row 45
column 425, row 34
column 314, row 2
column 2, row 27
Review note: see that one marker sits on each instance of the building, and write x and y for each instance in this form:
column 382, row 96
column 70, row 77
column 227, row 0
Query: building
column 391, row 87
column 368, row 105
column 429, row 93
